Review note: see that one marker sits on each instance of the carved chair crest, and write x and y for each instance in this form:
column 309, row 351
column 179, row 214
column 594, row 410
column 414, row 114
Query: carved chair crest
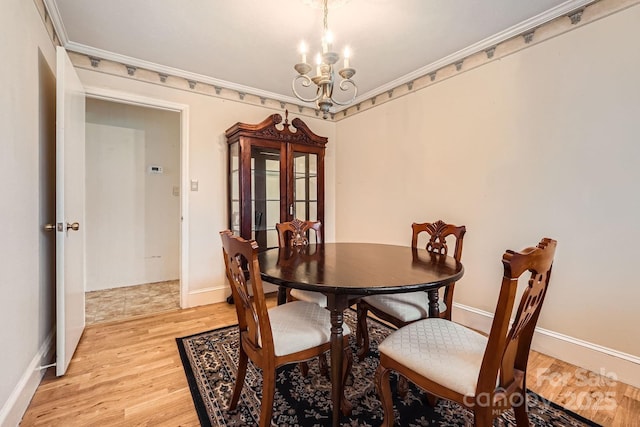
column 298, row 233
column 437, row 243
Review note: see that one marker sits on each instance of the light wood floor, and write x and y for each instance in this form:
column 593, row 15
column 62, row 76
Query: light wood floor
column 128, row 373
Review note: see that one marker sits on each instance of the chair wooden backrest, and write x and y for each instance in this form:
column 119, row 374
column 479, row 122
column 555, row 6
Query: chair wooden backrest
column 499, row 361
column 507, row 350
column 257, row 341
column 295, row 233
column 240, row 257
column 439, row 232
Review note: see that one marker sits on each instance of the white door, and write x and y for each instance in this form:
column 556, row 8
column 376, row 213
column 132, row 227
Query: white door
column 70, row 188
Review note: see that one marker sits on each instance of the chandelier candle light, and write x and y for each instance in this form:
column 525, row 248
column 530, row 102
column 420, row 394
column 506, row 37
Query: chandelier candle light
column 325, row 76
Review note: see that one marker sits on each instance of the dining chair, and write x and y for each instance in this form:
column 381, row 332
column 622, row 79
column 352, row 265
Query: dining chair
column 484, row 374
column 404, row 308
column 297, row 233
column 284, row 334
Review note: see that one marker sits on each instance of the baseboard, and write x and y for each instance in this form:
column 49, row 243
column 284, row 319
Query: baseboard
column 207, row 296
column 614, row 364
column 18, row 402
column 217, row 294
column 602, row 360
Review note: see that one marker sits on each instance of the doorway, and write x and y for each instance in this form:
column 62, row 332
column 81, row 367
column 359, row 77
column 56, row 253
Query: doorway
column 133, row 210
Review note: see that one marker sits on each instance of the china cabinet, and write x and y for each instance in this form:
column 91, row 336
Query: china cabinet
column 276, row 174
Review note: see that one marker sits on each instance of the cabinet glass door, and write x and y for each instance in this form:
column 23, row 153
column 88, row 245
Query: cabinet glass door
column 305, row 186
column 265, row 195
column 234, row 187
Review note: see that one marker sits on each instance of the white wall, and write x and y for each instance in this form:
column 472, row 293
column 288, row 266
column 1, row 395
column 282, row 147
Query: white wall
column 27, row 162
column 209, row 118
column 543, row 142
column 133, row 216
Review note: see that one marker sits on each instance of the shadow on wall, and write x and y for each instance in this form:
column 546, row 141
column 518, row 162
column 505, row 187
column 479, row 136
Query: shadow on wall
column 47, row 194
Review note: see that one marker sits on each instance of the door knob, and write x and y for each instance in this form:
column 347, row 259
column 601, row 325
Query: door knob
column 75, row 226
column 49, row 227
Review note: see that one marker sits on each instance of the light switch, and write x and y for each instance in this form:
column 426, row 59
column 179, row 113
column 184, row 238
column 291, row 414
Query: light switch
column 194, row 185
column 176, row 190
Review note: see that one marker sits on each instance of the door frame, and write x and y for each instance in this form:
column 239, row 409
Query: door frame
column 183, row 109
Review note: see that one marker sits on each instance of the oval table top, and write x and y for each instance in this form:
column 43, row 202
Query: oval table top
column 358, row 268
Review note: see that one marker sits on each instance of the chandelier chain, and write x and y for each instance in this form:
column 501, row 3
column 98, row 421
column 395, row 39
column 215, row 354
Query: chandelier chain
column 326, row 14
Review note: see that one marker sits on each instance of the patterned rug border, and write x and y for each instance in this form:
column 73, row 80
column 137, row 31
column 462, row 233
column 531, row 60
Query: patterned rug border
column 196, row 396
column 203, row 416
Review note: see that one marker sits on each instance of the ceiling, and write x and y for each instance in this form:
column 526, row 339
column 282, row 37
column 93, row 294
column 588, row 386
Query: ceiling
column 252, row 45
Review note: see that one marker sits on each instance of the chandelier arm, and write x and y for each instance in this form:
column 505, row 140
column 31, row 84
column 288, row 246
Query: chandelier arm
column 343, row 87
column 306, row 82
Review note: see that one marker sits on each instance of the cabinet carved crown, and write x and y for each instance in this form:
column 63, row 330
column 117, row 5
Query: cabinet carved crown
column 297, row 131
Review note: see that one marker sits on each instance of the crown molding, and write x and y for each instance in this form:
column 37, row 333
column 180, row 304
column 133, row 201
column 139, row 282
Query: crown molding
column 518, row 29
column 170, row 71
column 489, row 44
column 56, row 20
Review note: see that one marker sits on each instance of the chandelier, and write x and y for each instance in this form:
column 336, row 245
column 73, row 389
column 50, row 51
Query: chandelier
column 325, row 76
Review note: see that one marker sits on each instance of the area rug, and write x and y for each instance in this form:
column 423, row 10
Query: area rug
column 210, row 361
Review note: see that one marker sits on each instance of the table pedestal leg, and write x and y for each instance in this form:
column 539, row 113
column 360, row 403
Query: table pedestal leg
column 434, row 306
column 336, row 304
column 282, row 295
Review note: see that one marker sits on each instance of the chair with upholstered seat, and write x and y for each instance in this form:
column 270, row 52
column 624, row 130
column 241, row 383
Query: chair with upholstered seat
column 485, row 374
column 284, row 334
column 297, row 233
column 404, row 308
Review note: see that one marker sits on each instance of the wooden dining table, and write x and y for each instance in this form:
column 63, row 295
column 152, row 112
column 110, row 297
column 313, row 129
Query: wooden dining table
column 344, row 271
